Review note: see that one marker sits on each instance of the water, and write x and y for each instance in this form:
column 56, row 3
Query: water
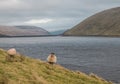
column 99, row 55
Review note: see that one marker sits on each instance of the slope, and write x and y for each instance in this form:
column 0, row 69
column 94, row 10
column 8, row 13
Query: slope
column 16, row 31
column 34, row 71
column 105, row 23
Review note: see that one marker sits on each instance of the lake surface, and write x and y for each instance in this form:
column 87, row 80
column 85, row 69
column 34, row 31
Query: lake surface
column 99, row 55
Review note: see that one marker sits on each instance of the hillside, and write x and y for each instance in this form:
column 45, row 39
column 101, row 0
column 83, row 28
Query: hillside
column 22, row 31
column 34, row 71
column 58, row 32
column 105, row 23
column 35, row 30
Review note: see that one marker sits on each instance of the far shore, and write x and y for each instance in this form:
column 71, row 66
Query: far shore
column 62, row 36
column 91, row 35
column 28, row 36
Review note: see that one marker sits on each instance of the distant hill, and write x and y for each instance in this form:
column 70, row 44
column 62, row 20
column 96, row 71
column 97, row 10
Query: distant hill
column 34, row 30
column 22, row 31
column 58, row 32
column 105, row 23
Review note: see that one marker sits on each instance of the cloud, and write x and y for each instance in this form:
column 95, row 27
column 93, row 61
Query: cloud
column 10, row 4
column 38, row 21
column 51, row 14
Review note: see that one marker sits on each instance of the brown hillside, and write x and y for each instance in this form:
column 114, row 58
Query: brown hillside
column 106, row 23
column 22, row 31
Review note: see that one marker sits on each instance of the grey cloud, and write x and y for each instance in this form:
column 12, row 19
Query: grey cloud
column 65, row 13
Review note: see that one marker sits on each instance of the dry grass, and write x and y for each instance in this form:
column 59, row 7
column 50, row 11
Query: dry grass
column 32, row 71
column 105, row 23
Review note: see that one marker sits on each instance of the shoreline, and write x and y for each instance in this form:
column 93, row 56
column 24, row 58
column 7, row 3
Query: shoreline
column 91, row 36
column 117, row 36
column 28, row 36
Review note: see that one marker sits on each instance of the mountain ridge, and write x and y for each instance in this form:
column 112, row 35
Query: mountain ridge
column 105, row 23
column 22, row 31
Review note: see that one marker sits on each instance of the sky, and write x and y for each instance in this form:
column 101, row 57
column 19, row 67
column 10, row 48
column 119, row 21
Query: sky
column 51, row 15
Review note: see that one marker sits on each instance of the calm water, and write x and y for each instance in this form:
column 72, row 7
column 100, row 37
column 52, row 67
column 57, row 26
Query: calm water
column 100, row 55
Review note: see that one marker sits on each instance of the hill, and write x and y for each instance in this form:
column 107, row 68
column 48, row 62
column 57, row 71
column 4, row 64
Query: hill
column 105, row 23
column 58, row 32
column 34, row 71
column 22, row 31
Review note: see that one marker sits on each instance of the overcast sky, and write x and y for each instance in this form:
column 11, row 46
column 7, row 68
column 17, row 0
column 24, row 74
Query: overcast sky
column 51, row 14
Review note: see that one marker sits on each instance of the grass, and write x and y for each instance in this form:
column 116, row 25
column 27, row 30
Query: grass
column 34, row 71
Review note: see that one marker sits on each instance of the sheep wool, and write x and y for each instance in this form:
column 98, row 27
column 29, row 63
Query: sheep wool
column 12, row 51
column 52, row 59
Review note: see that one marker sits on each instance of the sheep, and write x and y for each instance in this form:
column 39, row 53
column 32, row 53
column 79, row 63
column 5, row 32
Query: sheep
column 52, row 59
column 14, row 56
column 12, row 51
column 11, row 54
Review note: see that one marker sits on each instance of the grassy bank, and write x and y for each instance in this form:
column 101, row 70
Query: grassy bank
column 33, row 71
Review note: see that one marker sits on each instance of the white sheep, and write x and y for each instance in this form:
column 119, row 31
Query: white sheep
column 12, row 51
column 11, row 54
column 52, row 58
